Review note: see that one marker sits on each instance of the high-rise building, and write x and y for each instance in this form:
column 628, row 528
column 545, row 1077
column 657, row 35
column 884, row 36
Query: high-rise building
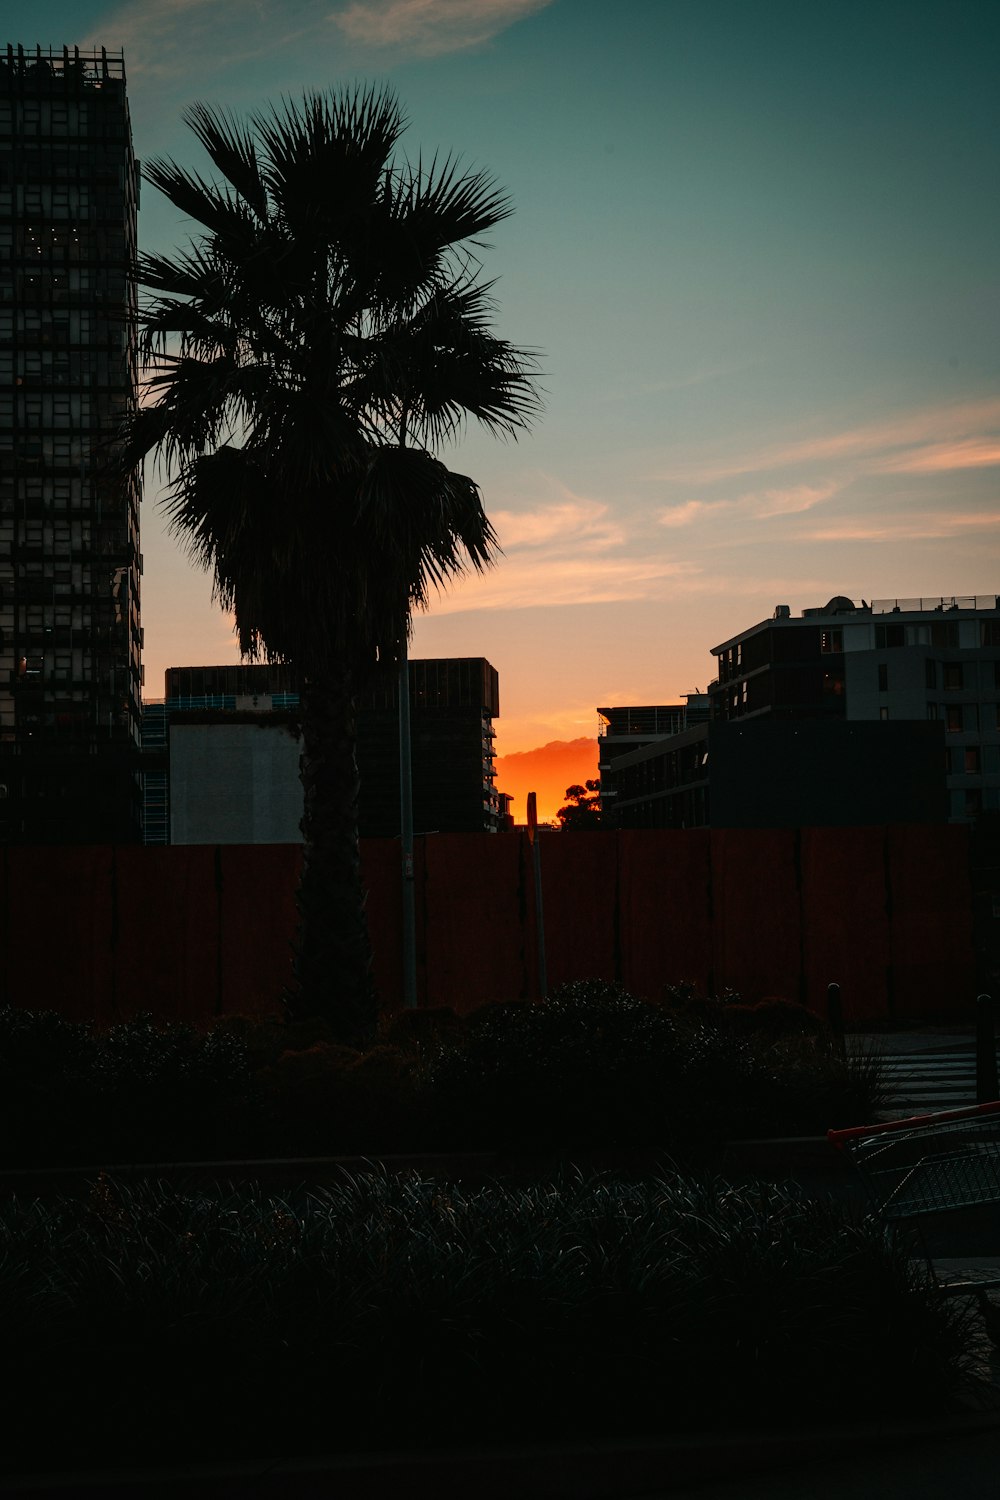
column 70, row 639
column 453, row 703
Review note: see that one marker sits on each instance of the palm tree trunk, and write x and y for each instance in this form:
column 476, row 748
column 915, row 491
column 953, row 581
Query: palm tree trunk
column 333, row 960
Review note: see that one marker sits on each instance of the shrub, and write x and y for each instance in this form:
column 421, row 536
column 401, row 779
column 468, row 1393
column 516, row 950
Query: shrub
column 333, row 1100
column 69, row 1093
column 594, row 1066
column 415, row 1030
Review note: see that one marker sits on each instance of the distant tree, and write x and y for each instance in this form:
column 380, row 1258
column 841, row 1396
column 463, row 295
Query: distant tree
column 583, row 808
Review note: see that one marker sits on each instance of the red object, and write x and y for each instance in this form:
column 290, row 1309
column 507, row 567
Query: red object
column 840, row 1138
column 191, row 931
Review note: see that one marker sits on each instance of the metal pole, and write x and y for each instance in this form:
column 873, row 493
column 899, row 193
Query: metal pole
column 406, row 837
column 535, row 842
column 835, row 1017
column 986, row 1051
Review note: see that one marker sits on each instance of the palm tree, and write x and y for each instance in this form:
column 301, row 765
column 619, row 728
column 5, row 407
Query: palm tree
column 307, row 356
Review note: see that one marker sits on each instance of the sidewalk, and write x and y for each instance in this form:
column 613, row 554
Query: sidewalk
column 926, row 1039
column 967, row 1467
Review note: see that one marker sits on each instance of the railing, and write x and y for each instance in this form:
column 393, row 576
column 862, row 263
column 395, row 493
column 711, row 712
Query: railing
column 926, row 606
column 91, row 67
column 659, row 719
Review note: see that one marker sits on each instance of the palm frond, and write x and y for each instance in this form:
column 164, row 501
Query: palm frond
column 444, row 207
column 451, row 367
column 424, row 522
column 191, row 273
column 232, row 149
column 203, row 201
column 323, row 160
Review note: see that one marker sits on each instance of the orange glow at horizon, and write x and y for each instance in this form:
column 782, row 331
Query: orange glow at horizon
column 547, row 771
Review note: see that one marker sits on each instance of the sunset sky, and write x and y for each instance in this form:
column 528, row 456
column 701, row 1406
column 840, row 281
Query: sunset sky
column 757, row 246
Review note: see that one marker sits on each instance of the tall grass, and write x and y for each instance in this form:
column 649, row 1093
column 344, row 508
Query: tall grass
column 145, row 1324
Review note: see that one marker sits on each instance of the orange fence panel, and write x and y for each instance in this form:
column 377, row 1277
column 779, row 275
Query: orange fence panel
column 474, row 906
column 932, row 956
column 257, row 923
column 192, row 932
column 58, row 928
column 845, row 919
column 579, row 878
column 166, row 950
column 664, row 908
column 756, row 922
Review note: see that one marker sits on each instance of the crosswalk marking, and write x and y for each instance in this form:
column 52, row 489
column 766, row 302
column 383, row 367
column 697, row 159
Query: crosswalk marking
column 928, row 1081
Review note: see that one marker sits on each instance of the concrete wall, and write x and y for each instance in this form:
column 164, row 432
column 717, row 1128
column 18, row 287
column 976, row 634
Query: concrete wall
column 234, row 784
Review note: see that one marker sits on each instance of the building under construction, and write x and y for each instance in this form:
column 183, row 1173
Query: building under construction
column 223, row 755
column 70, row 638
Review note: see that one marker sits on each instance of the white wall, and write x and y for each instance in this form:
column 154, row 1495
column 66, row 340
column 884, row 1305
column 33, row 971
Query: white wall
column 234, row 784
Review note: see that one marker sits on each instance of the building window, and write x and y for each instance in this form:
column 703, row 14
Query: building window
column 953, row 718
column 973, row 802
column 932, row 710
column 952, row 676
column 971, row 760
column 945, row 634
column 989, row 633
column 883, row 678
column 831, row 641
column 996, row 674
column 889, row 635
column 930, row 674
column 883, row 712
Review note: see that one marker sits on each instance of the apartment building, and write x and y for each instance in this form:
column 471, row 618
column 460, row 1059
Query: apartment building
column 891, row 660
column 622, row 731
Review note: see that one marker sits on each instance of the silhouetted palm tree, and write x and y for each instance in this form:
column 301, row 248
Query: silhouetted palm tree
column 306, row 355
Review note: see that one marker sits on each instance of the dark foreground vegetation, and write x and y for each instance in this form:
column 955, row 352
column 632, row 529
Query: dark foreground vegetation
column 147, row 1325
column 592, row 1067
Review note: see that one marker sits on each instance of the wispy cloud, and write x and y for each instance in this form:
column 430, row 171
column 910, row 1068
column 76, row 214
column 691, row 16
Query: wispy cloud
column 760, row 505
column 940, row 458
column 530, row 581
column 957, row 435
column 187, row 41
column 430, row 27
column 788, row 502
column 911, row 528
column 689, row 512
column 557, row 553
column 578, row 523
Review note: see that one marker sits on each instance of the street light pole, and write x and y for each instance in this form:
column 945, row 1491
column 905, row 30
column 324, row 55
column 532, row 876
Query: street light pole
column 406, row 837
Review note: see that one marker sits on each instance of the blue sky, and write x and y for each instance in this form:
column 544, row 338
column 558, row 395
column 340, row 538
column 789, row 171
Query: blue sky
column 758, row 247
